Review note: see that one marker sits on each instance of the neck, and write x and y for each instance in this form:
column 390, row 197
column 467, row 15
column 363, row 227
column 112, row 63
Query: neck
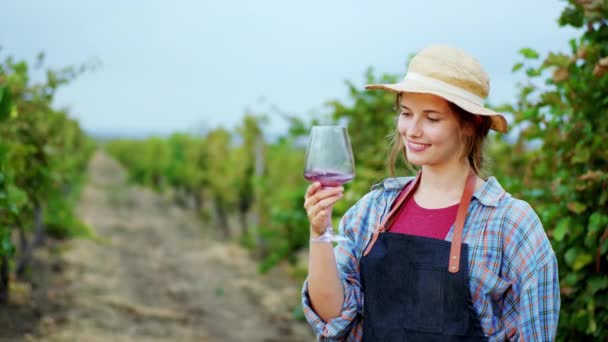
column 448, row 181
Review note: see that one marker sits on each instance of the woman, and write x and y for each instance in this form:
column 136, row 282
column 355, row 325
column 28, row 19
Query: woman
column 444, row 256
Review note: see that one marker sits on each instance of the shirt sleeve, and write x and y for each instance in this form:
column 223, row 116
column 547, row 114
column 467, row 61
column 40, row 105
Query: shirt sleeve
column 539, row 303
column 532, row 306
column 345, row 327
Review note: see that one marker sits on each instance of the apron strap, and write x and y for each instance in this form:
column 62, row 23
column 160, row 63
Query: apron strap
column 463, row 207
column 393, row 214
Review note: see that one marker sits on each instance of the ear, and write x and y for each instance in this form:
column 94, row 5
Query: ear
column 468, row 129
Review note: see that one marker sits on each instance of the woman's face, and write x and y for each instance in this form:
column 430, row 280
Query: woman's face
column 429, row 129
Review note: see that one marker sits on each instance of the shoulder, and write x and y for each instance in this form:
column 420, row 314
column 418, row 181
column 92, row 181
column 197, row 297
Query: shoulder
column 511, row 211
column 518, row 216
column 382, row 192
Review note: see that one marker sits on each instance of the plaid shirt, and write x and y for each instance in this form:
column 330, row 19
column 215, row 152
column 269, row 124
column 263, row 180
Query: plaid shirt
column 512, row 268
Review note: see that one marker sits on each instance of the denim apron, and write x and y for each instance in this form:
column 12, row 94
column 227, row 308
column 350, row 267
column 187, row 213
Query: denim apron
column 416, row 288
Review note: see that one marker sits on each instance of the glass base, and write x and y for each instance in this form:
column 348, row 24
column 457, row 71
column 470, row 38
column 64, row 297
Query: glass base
column 329, row 236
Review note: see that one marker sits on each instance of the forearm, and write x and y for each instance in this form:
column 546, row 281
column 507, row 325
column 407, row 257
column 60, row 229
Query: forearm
column 325, row 288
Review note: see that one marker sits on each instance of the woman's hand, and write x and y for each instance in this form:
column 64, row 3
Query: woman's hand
column 318, row 202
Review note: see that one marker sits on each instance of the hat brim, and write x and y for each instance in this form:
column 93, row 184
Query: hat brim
column 499, row 123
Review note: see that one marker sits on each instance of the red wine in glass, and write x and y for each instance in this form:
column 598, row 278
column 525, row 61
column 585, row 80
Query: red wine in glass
column 328, row 178
column 329, row 160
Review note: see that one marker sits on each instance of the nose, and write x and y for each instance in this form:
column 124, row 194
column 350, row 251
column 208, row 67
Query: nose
column 414, row 129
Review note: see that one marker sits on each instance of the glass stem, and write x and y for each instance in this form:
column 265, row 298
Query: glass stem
column 328, row 225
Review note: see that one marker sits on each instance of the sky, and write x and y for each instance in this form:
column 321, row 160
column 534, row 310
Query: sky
column 191, row 66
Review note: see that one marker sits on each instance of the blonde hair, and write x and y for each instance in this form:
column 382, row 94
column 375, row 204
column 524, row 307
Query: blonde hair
column 473, row 143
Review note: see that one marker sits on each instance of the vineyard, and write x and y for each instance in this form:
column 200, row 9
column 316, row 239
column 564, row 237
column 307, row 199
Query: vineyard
column 243, row 192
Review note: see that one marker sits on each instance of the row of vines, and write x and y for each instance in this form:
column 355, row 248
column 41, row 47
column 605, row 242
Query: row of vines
column 43, row 159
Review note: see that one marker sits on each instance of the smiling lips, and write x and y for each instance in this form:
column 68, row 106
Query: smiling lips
column 416, row 147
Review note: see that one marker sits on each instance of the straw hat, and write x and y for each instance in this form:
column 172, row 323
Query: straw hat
column 451, row 74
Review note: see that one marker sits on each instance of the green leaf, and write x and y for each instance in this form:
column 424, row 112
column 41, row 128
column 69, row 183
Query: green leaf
column 581, row 156
column 529, row 53
column 581, row 261
column 571, row 279
column 598, row 283
column 570, row 256
column 561, row 229
column 576, row 207
column 517, row 67
column 592, row 326
column 532, row 72
column 597, row 221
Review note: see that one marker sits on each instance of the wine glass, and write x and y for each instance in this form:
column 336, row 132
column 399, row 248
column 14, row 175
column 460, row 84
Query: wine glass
column 329, row 160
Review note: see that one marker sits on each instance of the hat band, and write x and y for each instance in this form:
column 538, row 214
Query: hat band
column 443, row 86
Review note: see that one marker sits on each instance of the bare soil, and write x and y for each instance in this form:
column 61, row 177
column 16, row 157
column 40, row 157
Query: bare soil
column 150, row 276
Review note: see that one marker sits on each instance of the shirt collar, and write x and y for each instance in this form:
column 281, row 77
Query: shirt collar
column 489, row 195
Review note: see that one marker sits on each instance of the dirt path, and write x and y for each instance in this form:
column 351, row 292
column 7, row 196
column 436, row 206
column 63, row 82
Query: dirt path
column 153, row 278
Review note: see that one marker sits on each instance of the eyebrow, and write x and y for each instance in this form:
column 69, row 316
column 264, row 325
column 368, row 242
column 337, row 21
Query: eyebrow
column 424, row 111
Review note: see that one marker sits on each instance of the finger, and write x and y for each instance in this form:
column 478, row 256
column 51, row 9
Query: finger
column 329, row 201
column 310, row 191
column 322, row 205
column 322, row 195
column 326, row 192
column 317, row 191
column 312, row 188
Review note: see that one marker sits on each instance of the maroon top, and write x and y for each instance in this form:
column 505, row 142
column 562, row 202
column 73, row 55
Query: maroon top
column 415, row 220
